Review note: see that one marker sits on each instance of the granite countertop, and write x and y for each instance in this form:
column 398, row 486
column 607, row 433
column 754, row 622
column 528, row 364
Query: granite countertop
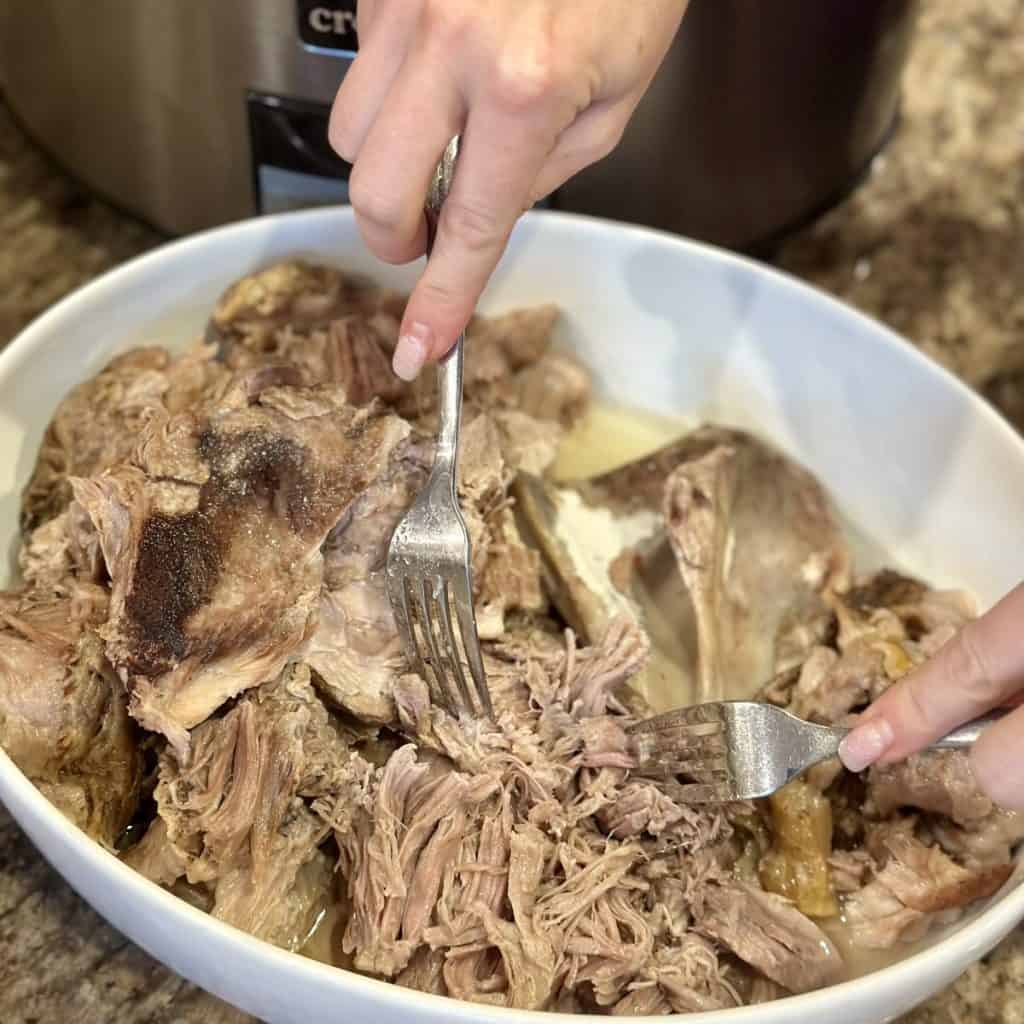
column 932, row 244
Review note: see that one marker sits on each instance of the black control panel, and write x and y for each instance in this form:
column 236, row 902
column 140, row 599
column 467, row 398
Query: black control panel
column 328, row 26
column 293, row 165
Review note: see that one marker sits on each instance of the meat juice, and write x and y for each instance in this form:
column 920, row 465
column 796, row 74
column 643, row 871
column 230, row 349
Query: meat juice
column 860, row 961
column 608, row 436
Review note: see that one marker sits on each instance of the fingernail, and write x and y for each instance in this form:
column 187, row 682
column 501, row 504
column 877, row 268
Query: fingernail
column 865, row 744
column 411, row 352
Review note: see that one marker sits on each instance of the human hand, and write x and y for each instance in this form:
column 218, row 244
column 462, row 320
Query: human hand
column 538, row 90
column 981, row 668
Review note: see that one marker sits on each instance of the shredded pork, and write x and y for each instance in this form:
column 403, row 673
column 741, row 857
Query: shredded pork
column 200, row 668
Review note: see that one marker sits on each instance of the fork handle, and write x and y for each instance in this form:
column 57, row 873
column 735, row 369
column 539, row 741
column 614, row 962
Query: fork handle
column 449, row 379
column 449, row 370
column 961, row 738
column 968, row 734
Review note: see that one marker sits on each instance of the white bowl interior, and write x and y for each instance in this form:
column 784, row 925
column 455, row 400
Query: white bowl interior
column 930, row 475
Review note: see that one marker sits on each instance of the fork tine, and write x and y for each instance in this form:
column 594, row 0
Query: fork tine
column 701, row 792
column 452, row 676
column 687, row 765
column 689, row 741
column 711, row 713
column 413, row 606
column 682, row 740
column 708, row 717
column 462, row 592
column 673, row 759
column 453, row 648
column 427, row 594
column 399, row 598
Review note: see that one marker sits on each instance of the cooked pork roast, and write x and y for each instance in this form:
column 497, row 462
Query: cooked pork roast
column 200, row 668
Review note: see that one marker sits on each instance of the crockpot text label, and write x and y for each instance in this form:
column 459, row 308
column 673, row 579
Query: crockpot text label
column 328, row 26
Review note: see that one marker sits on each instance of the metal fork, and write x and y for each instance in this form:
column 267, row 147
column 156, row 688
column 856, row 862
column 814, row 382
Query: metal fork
column 428, row 563
column 743, row 750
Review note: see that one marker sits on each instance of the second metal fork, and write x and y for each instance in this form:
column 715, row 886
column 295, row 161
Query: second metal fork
column 428, row 564
column 742, row 750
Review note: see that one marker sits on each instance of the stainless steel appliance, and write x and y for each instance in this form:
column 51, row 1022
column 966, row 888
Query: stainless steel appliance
column 198, row 112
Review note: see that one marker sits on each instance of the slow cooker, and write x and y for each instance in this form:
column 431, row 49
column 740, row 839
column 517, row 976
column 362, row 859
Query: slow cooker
column 197, row 112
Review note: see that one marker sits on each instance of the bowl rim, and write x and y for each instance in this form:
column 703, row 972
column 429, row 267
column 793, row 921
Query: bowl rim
column 966, row 942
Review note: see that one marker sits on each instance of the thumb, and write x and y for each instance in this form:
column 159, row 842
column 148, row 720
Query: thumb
column 981, row 668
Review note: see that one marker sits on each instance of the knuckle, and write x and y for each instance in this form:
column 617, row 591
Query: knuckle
column 917, row 712
column 530, row 76
column 443, row 303
column 523, row 87
column 603, row 143
column 475, row 228
column 373, row 205
column 610, row 139
column 968, row 670
column 437, row 296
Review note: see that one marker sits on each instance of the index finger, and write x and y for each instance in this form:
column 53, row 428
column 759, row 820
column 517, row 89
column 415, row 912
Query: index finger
column 499, row 160
column 981, row 668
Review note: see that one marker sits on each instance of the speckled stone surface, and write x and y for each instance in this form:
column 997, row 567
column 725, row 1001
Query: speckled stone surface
column 932, row 244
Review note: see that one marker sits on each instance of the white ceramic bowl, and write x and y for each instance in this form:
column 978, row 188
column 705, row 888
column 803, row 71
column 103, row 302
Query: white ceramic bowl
column 930, row 472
